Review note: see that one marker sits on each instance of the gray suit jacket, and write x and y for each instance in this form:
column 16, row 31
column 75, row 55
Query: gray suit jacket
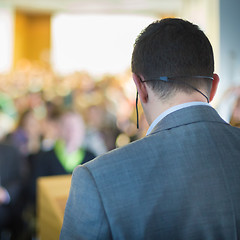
column 180, row 182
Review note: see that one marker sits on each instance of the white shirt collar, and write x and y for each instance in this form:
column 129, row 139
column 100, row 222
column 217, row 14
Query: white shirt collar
column 173, row 109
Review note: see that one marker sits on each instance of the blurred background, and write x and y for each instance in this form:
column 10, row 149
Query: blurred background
column 66, row 90
column 77, row 53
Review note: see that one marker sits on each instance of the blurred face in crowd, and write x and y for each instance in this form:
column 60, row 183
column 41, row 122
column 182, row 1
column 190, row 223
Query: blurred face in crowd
column 31, row 125
column 72, row 129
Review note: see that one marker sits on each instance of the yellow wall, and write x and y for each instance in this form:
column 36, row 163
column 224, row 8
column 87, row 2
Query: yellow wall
column 32, row 36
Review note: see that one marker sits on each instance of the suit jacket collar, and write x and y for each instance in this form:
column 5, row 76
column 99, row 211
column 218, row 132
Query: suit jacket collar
column 186, row 116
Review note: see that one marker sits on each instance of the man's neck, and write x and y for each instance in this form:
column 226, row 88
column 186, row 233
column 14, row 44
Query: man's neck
column 157, row 106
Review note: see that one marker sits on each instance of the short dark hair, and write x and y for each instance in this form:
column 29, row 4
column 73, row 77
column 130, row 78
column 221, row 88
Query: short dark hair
column 173, row 47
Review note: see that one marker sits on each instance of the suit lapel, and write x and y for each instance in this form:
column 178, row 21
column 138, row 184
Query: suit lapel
column 186, row 116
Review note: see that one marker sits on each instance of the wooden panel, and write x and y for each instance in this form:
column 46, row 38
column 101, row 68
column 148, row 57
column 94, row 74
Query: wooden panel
column 52, row 194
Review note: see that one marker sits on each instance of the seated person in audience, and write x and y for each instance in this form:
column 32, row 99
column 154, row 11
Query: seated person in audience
column 67, row 152
column 10, row 190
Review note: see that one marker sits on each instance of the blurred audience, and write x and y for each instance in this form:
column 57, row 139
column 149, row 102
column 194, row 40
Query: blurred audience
column 31, row 85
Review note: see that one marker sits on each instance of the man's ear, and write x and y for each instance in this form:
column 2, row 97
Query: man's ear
column 141, row 87
column 214, row 86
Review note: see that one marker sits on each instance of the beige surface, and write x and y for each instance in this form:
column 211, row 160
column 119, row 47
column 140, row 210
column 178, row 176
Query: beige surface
column 52, row 194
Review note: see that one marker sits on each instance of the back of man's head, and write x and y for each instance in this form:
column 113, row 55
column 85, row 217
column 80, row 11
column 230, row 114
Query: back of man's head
column 174, row 48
